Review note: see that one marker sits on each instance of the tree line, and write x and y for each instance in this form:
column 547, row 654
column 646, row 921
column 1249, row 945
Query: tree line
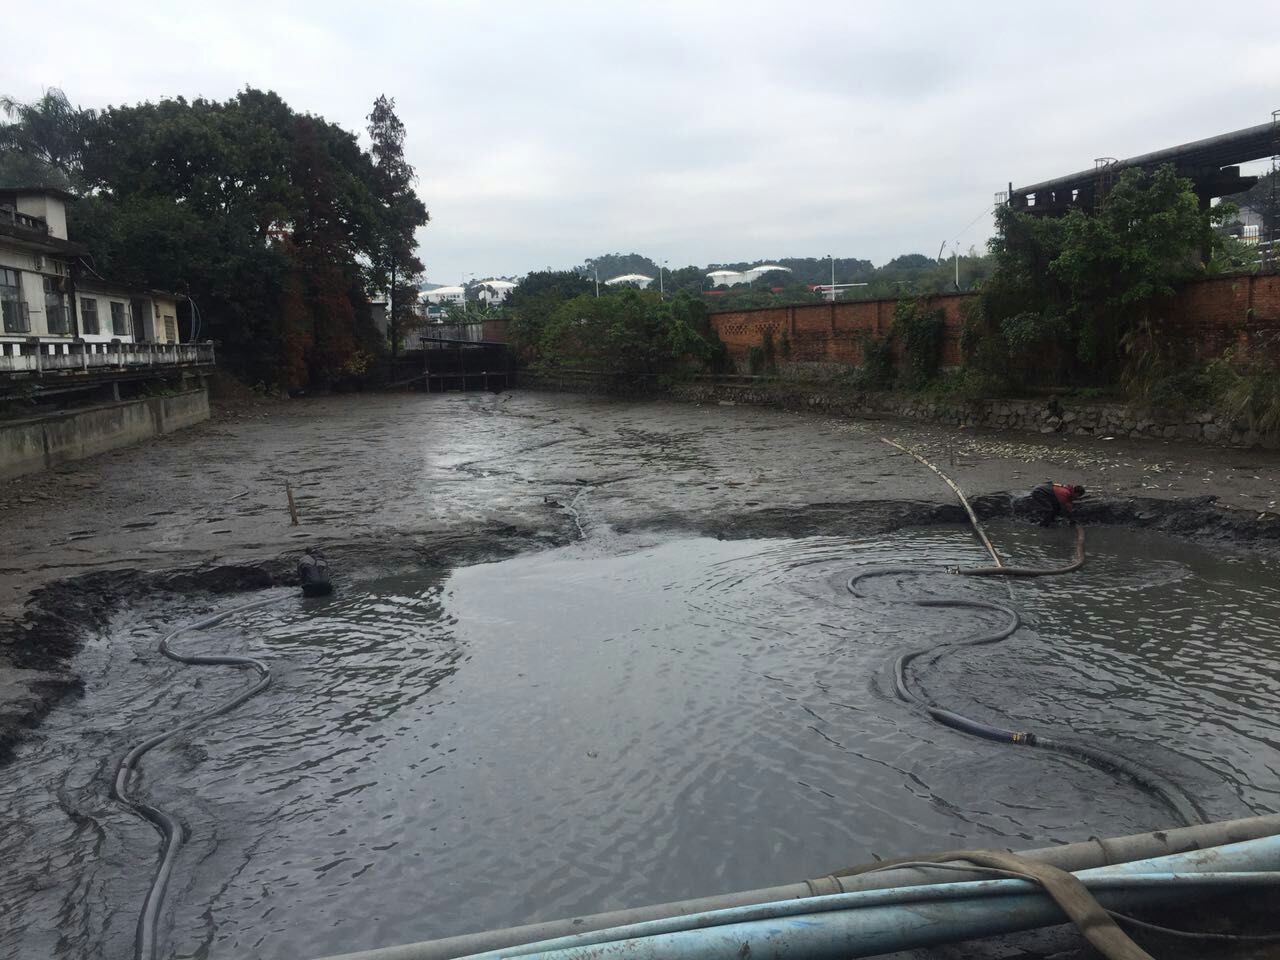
column 906, row 275
column 276, row 223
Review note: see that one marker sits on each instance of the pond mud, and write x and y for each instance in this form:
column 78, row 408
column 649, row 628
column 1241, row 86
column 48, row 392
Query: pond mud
column 563, row 675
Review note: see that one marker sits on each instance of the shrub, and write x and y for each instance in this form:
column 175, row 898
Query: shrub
column 878, row 370
column 1251, row 397
column 921, row 329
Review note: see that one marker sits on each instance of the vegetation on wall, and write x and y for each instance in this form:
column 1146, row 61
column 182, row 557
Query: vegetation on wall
column 921, row 328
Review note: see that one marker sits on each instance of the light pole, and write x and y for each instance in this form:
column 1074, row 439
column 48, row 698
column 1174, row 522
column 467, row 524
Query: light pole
column 833, row 276
column 596, row 271
column 955, row 254
column 662, row 291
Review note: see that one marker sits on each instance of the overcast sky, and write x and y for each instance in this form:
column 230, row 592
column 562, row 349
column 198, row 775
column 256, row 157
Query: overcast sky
column 694, row 132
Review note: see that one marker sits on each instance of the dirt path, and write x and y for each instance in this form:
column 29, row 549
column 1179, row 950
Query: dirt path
column 403, row 468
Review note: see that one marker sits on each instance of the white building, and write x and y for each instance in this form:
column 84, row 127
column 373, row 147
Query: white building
column 494, row 291
column 46, row 292
column 639, row 279
column 733, row 278
column 443, row 296
column 724, row 278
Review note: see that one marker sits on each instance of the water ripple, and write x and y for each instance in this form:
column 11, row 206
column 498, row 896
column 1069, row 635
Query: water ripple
column 586, row 729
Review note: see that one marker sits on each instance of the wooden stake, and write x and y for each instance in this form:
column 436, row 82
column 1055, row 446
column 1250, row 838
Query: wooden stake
column 293, row 507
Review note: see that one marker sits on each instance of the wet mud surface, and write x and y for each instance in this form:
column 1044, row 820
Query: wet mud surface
column 498, row 508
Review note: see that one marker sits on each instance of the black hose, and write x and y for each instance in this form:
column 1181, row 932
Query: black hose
column 146, row 939
column 1168, row 793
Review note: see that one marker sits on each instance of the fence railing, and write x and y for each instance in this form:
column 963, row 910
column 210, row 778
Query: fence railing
column 40, row 355
column 23, row 221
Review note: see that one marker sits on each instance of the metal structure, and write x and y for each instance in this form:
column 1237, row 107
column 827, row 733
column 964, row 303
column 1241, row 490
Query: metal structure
column 1269, row 240
column 451, row 363
column 1211, row 164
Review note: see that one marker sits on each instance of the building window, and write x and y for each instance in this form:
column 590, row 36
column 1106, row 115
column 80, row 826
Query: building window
column 89, row 315
column 117, row 320
column 12, row 305
column 55, row 307
column 170, row 330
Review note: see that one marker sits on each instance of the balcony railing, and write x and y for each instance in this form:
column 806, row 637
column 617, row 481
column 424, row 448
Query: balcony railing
column 39, row 356
column 23, row 221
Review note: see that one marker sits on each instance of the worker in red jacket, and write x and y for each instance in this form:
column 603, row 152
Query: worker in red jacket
column 1054, row 500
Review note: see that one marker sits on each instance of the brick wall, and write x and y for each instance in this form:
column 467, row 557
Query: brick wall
column 1212, row 314
column 495, row 330
column 1242, row 313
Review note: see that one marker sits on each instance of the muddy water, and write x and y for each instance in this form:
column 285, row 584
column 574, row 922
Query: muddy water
column 612, row 724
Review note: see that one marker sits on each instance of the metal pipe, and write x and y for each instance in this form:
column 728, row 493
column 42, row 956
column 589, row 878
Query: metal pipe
column 870, row 922
column 1071, row 857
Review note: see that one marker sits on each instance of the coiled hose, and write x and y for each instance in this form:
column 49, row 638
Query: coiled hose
column 146, row 939
column 1169, row 794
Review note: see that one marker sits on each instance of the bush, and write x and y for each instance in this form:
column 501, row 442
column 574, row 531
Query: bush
column 1251, row 397
column 763, row 359
column 878, row 370
column 922, row 330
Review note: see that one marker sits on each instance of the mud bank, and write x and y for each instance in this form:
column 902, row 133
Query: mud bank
column 407, row 479
column 61, row 615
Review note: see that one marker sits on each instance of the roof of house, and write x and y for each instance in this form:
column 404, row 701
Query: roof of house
column 48, row 191
column 629, row 278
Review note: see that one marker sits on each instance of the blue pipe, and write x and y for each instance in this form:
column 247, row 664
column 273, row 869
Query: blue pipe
column 870, row 922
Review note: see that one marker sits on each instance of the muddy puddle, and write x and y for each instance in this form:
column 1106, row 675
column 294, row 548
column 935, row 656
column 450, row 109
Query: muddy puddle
column 608, row 725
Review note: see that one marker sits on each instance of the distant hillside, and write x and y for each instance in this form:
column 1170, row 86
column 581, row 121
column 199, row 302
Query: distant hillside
column 618, row 264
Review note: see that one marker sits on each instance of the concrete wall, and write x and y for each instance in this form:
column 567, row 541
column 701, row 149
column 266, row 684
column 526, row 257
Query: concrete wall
column 163, row 320
column 29, row 446
column 51, row 208
column 106, row 332
column 1241, row 312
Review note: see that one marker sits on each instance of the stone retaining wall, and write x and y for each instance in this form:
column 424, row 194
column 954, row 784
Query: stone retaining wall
column 1046, row 416
column 29, row 446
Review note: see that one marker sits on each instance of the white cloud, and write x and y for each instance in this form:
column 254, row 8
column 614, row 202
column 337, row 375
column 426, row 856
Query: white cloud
column 545, row 133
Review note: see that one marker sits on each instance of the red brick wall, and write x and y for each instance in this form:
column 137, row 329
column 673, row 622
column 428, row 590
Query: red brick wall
column 495, row 330
column 1240, row 312
column 830, row 332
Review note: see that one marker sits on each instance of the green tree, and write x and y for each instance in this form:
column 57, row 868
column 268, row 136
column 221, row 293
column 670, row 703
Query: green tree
column 533, row 300
column 402, row 213
column 43, row 141
column 1077, row 297
column 629, row 335
column 267, row 218
column 612, row 265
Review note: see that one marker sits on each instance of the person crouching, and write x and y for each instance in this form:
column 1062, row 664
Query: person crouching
column 1054, row 500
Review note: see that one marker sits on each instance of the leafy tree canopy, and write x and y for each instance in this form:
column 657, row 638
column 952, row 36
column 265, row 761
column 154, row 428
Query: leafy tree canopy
column 274, row 222
column 1071, row 295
